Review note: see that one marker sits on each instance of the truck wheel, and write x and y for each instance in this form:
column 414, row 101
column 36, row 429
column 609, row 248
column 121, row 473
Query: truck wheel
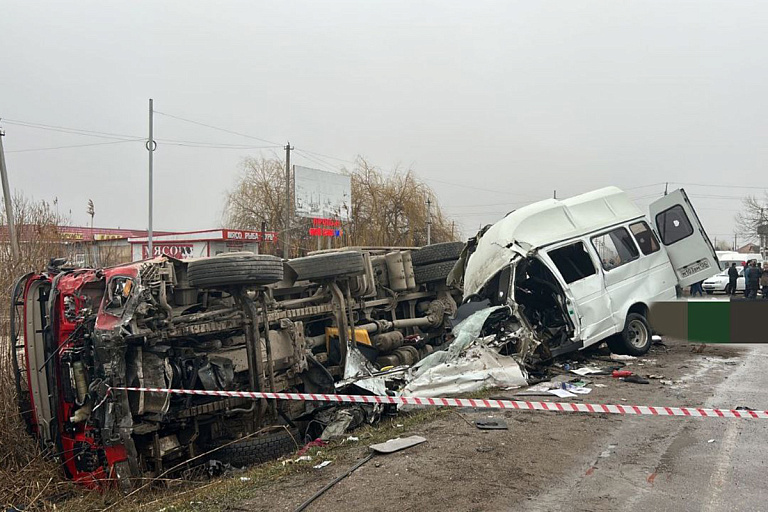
column 433, row 272
column 257, row 450
column 323, row 266
column 635, row 339
column 448, row 251
column 235, row 269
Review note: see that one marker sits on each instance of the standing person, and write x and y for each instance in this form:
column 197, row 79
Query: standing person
column 733, row 277
column 696, row 288
column 754, row 279
column 746, row 278
column 764, row 280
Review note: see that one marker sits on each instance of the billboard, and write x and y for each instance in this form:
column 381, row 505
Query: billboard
column 321, row 193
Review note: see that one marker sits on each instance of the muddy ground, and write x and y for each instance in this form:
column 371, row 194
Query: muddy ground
column 463, row 468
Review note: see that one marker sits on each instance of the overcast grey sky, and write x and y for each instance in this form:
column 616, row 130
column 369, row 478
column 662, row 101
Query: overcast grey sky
column 493, row 103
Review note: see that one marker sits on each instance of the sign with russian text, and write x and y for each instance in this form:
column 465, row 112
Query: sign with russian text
column 178, row 251
column 244, row 235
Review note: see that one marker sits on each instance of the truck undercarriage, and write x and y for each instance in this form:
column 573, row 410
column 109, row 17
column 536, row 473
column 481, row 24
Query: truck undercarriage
column 228, row 323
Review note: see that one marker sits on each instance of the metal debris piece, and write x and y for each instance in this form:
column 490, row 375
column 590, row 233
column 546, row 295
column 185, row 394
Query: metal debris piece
column 491, row 424
column 397, row 444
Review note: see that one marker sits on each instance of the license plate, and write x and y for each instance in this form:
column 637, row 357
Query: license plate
column 694, row 268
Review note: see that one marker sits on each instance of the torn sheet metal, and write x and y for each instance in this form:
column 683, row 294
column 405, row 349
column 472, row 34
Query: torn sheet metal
column 466, row 333
column 469, row 364
column 479, row 368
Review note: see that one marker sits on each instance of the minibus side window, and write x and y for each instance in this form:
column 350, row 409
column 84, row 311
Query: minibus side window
column 573, row 262
column 644, row 237
column 615, row 248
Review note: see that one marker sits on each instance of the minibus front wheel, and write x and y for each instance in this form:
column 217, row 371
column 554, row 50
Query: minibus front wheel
column 635, row 339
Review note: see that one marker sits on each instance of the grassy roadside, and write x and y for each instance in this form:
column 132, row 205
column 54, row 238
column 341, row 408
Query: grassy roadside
column 213, row 495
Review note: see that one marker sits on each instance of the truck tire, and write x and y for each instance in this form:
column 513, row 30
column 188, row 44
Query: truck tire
column 448, row 251
column 635, row 339
column 433, row 272
column 257, row 450
column 235, row 269
column 324, row 266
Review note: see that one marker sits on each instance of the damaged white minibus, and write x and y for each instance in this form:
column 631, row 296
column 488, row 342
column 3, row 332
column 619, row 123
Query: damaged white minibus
column 583, row 270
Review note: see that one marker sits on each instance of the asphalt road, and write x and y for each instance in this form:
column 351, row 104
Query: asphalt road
column 700, row 464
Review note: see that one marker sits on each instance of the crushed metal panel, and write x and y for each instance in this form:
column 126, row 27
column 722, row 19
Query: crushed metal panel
column 481, row 367
column 466, row 332
column 470, row 364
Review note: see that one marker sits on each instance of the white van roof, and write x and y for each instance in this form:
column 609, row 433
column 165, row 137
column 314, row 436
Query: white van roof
column 553, row 220
column 543, row 223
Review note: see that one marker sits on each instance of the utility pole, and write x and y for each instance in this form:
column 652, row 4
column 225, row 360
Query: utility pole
column 429, row 220
column 288, row 205
column 666, row 188
column 263, row 237
column 8, row 204
column 91, row 211
column 554, row 194
column 151, row 146
column 453, row 230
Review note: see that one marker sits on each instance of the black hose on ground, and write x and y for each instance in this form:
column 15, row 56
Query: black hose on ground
column 336, row 480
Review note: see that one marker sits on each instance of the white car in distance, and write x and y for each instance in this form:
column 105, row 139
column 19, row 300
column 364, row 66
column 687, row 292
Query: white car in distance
column 718, row 283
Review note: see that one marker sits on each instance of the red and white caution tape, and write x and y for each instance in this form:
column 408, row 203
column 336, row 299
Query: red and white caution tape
column 478, row 403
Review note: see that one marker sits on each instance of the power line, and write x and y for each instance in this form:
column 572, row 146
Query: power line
column 216, row 128
column 73, row 146
column 712, row 185
column 307, row 153
column 331, row 157
column 212, row 145
column 126, row 138
column 523, row 203
column 644, row 186
column 317, row 161
column 74, row 131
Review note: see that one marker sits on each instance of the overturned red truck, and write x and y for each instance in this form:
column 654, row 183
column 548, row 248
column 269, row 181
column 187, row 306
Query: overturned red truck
column 232, row 322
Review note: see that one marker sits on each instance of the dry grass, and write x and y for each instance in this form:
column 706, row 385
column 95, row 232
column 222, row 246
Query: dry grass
column 26, row 478
column 29, row 478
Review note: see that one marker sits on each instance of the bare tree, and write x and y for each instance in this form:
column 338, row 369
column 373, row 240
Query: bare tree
column 258, row 196
column 391, row 208
column 753, row 214
column 388, row 208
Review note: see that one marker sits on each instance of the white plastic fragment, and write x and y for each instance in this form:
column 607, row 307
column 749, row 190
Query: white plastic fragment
column 622, row 357
column 562, row 393
column 322, row 464
column 586, row 370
